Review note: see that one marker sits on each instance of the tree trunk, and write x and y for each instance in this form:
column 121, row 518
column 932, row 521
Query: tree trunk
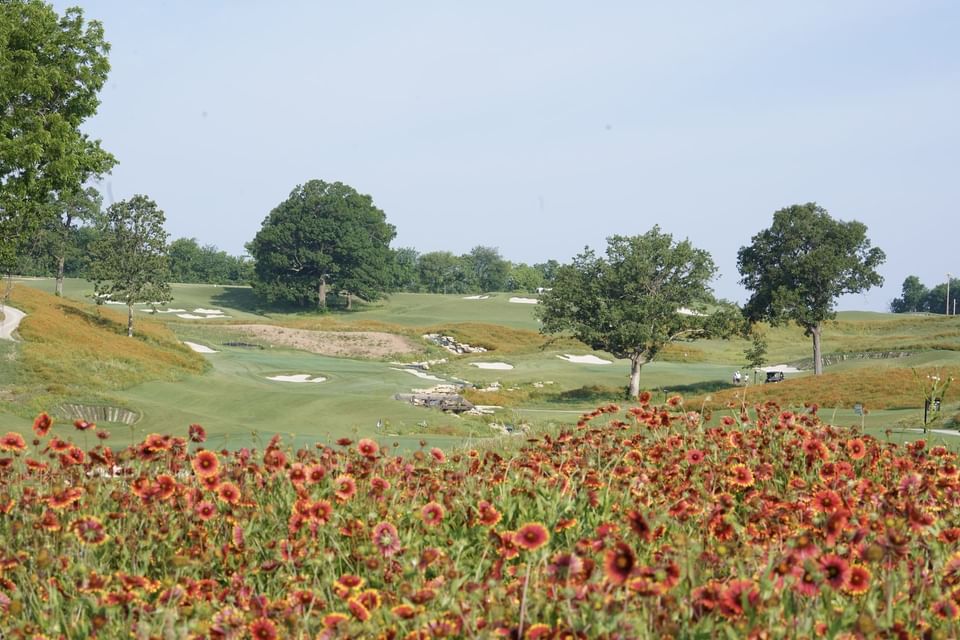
column 130, row 320
column 58, row 291
column 322, row 293
column 817, row 355
column 349, row 301
column 636, row 363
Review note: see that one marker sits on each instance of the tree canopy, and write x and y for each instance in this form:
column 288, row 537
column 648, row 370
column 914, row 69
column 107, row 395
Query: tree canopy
column 647, row 292
column 130, row 255
column 324, row 237
column 798, row 268
column 51, row 69
column 916, row 297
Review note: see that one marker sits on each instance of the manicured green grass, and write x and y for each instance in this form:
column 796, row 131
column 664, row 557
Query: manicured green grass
column 233, row 400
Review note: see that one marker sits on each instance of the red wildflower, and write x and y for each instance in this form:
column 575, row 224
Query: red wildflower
column 432, row 514
column 166, row 486
column 827, row 501
column 345, row 487
column 205, row 464
column 42, row 424
column 65, row 498
column 856, row 448
column 403, row 611
column 89, row 530
column 315, row 473
column 332, row 620
column 640, row 525
column 386, row 539
column 83, row 425
column 263, row 629
column 694, row 456
column 735, row 594
column 538, row 631
column 531, row 536
column 741, row 476
column 229, row 493
column 367, row 447
column 618, row 563
column 946, row 610
column 12, row 442
column 858, row 582
column 836, row 570
column 205, row 510
column 359, row 611
column 196, row 433
column 438, row 455
column 489, row 516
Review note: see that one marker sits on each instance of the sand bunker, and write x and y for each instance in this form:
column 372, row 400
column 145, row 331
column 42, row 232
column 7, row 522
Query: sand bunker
column 591, row 359
column 689, row 312
column 349, row 344
column 492, row 365
column 783, row 368
column 164, row 310
column 191, row 316
column 199, row 348
column 476, row 297
column 299, row 377
column 420, row 374
column 524, row 300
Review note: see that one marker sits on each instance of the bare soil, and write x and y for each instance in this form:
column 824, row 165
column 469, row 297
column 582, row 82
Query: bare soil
column 349, row 344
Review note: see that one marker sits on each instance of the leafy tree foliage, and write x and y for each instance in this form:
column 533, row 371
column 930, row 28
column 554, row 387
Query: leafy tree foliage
column 488, row 269
column 523, row 277
column 324, row 237
column 647, row 292
column 913, row 297
column 405, row 274
column 51, row 68
column 916, row 297
column 130, row 256
column 443, row 272
column 798, row 267
column 60, row 246
column 190, row 262
column 549, row 271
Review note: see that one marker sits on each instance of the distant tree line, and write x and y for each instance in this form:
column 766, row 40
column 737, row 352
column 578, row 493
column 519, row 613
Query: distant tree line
column 915, row 297
column 62, row 247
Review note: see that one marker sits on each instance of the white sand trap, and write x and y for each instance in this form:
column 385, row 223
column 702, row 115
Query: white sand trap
column 780, row 367
column 591, row 359
column 476, row 297
column 524, row 300
column 190, row 316
column 164, row 310
column 420, row 374
column 199, row 348
column 689, row 312
column 300, row 377
column 492, row 365
column 209, row 312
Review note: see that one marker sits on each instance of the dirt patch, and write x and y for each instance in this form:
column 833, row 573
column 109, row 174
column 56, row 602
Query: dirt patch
column 349, row 344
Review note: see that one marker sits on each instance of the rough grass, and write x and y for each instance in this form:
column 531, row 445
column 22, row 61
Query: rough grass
column 72, row 350
column 874, row 387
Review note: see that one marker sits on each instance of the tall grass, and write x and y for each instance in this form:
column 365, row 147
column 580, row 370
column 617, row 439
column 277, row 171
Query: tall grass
column 72, row 350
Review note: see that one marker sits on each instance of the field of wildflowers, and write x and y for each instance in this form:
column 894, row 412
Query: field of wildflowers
column 636, row 523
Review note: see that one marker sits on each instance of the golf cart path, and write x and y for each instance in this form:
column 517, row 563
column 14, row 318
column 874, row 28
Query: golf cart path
column 10, row 322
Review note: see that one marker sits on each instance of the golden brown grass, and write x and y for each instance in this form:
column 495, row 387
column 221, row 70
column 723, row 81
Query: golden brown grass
column 875, row 388
column 76, row 350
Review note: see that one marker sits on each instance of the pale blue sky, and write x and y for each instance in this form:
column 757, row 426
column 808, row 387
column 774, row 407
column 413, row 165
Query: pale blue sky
column 541, row 127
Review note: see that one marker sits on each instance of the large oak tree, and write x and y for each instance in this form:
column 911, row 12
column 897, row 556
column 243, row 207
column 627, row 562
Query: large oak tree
column 324, row 238
column 647, row 292
column 798, row 268
column 51, row 69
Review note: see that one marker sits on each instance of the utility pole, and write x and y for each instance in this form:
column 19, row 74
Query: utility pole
column 948, row 294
